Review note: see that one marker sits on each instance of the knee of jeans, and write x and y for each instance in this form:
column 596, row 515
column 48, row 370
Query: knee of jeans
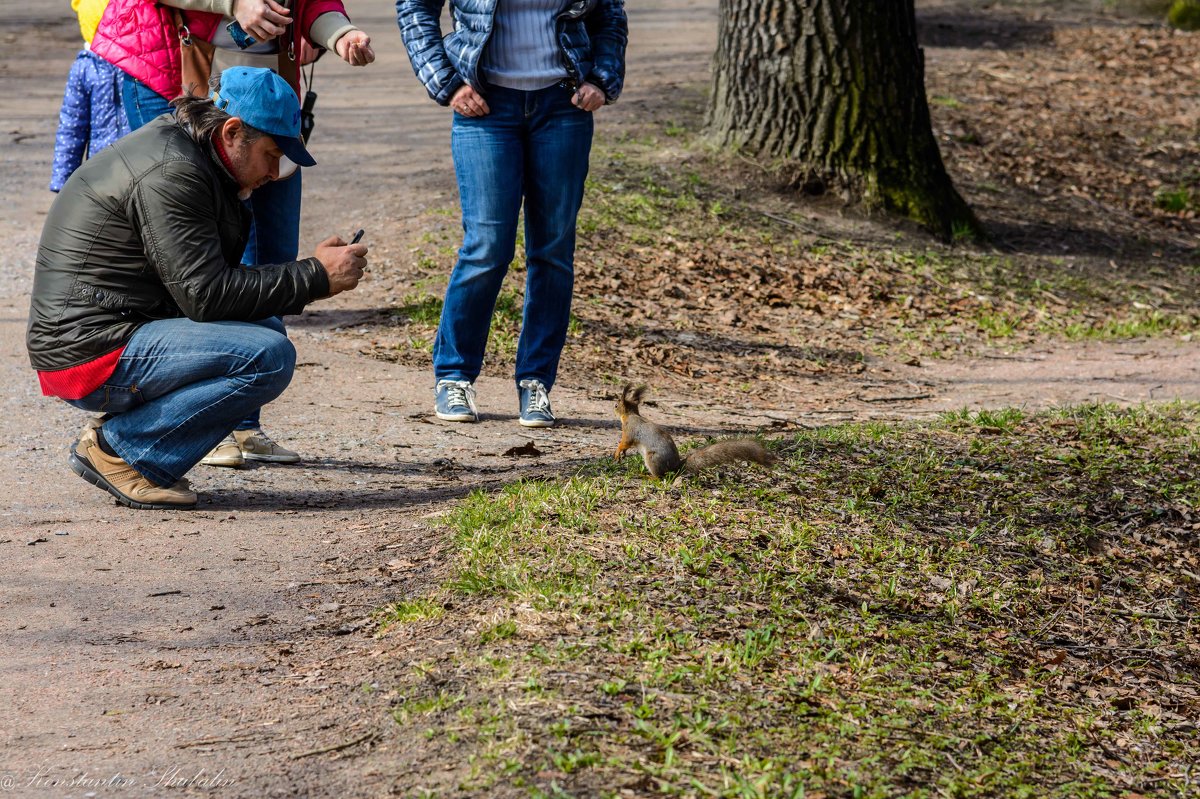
column 275, row 362
column 555, row 264
column 479, row 258
column 283, row 355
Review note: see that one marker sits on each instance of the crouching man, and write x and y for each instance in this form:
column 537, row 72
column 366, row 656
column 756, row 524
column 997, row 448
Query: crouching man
column 141, row 308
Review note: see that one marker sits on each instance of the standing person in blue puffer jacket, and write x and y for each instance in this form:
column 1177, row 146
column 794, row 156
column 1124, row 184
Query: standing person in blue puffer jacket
column 523, row 78
column 91, row 117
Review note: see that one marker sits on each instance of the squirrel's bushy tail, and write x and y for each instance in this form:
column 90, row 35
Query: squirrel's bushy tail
column 741, row 449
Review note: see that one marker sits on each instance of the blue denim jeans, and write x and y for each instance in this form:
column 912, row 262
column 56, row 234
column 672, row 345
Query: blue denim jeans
column 274, row 239
column 532, row 147
column 181, row 386
column 275, row 233
column 142, row 103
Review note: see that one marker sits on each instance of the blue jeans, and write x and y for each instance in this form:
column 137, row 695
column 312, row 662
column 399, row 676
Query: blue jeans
column 274, row 239
column 275, row 233
column 534, row 147
column 142, row 103
column 181, row 386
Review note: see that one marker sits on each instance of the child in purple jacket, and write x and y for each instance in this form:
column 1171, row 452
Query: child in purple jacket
column 91, row 117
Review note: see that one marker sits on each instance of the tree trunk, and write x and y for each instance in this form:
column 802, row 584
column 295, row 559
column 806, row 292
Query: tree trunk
column 835, row 89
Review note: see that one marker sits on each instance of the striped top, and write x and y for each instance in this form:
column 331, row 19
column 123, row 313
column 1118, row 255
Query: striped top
column 522, row 52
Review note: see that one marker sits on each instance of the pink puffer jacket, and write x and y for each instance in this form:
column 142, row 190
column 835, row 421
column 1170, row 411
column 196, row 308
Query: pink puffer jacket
column 139, row 37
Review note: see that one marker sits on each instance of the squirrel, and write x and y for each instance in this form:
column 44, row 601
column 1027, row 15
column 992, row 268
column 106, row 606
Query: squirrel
column 658, row 448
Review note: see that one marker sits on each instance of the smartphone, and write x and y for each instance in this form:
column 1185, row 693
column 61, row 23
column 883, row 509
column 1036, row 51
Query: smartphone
column 357, row 236
column 239, row 36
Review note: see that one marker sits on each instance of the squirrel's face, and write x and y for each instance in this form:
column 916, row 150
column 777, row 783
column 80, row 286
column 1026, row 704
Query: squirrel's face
column 628, row 399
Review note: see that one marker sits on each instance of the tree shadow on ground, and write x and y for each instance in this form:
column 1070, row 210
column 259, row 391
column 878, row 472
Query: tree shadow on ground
column 974, row 29
column 724, row 345
column 340, row 317
column 1055, row 238
column 348, row 498
column 459, row 478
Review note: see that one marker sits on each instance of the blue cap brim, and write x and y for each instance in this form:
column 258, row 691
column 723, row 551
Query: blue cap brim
column 294, row 150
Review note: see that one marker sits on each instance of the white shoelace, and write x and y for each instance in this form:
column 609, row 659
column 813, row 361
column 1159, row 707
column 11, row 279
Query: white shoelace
column 459, row 392
column 539, row 399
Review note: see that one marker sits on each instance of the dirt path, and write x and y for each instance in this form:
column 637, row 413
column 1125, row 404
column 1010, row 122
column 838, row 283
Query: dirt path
column 216, row 651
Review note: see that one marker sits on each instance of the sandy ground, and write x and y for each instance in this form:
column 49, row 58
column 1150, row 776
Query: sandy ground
column 216, row 651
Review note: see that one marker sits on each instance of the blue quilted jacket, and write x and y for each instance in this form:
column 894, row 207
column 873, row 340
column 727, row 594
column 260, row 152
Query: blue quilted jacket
column 591, row 33
column 91, row 117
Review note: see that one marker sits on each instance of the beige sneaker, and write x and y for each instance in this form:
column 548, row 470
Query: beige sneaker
column 257, row 446
column 225, row 453
column 123, row 481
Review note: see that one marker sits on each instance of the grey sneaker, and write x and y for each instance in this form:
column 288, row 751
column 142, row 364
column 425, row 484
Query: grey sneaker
column 225, row 453
column 535, row 404
column 455, row 401
column 258, row 446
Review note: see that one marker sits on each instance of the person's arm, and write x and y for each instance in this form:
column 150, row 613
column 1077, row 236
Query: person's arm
column 72, row 136
column 608, row 29
column 176, row 211
column 222, row 7
column 262, row 19
column 328, row 28
column 334, row 31
column 421, row 30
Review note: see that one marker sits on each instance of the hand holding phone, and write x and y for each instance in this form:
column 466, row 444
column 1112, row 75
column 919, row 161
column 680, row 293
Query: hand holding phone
column 239, row 36
column 357, row 238
column 341, row 264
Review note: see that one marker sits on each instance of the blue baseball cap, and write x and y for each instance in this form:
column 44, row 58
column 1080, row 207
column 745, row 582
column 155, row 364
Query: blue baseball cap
column 265, row 101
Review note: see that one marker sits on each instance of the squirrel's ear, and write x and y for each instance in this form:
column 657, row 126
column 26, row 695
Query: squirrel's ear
column 636, row 394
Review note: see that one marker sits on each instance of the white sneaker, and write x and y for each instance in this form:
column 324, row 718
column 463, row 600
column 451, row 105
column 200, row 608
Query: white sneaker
column 225, row 453
column 256, row 445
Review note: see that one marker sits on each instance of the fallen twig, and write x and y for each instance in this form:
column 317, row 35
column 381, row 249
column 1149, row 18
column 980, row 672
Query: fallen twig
column 897, row 398
column 210, row 741
column 371, row 736
column 1141, row 614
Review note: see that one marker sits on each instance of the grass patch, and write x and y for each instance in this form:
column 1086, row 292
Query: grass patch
column 407, row 611
column 992, row 604
column 1177, row 200
column 424, row 310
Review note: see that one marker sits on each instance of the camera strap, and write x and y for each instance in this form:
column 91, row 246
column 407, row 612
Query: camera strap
column 289, row 67
column 307, row 120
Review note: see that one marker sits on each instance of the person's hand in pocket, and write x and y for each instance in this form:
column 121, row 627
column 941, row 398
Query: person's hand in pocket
column 588, row 97
column 469, row 102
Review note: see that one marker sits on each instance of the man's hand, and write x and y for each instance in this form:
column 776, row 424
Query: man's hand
column 343, row 263
column 469, row 102
column 588, row 97
column 355, row 49
column 262, row 19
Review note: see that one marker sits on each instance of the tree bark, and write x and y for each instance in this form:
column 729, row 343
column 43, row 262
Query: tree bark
column 835, row 90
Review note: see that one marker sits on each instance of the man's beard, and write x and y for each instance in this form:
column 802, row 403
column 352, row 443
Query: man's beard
column 239, row 158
